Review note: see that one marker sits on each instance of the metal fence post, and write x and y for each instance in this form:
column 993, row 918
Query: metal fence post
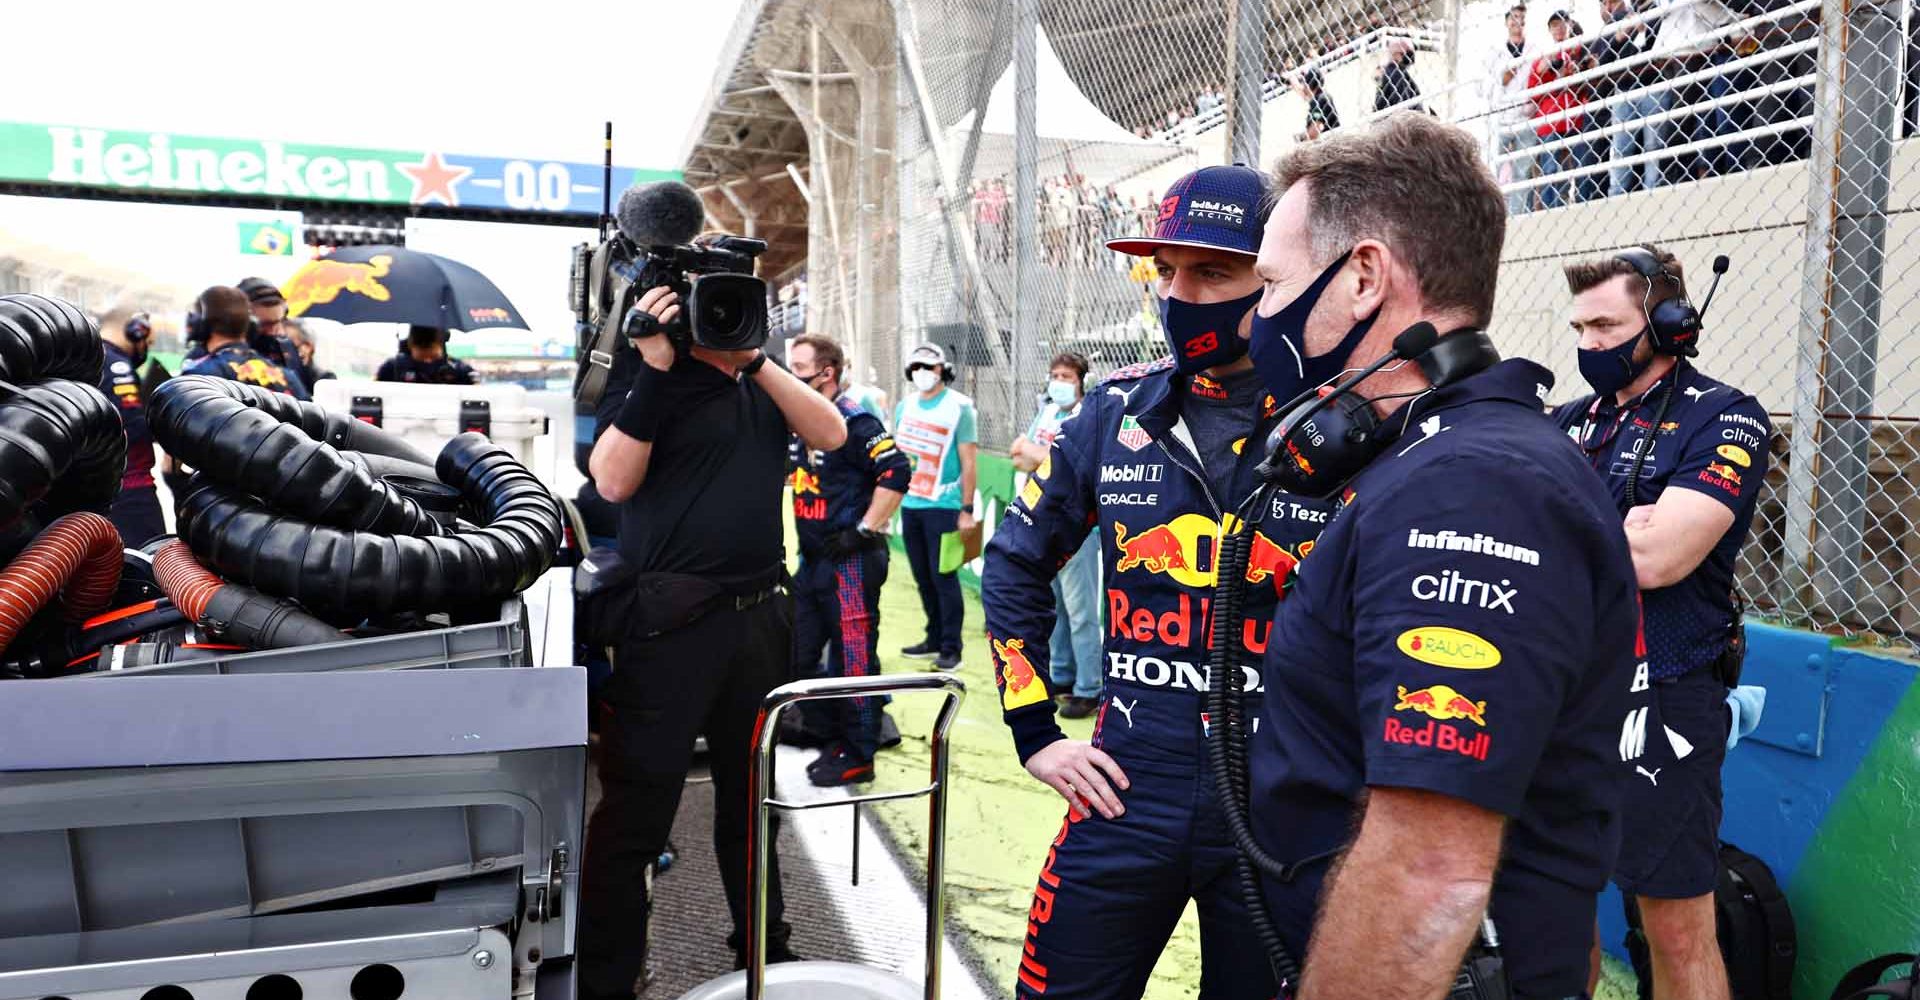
column 1026, row 285
column 1828, row 476
column 1246, row 55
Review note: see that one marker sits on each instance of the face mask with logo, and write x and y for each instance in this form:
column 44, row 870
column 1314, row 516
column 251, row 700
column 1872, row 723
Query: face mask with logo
column 1061, row 393
column 1279, row 346
column 1612, row 369
column 1204, row 335
column 924, row 379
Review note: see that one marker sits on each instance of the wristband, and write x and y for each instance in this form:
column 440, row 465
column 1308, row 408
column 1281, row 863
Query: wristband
column 752, row 367
column 640, row 416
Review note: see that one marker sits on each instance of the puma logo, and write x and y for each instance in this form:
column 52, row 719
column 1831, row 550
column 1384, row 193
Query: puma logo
column 1653, row 775
column 1124, row 394
column 1125, row 709
column 1698, row 393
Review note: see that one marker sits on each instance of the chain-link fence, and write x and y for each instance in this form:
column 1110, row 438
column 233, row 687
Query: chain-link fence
column 1772, row 132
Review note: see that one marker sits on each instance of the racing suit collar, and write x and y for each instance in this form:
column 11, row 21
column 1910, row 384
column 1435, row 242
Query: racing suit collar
column 1515, row 380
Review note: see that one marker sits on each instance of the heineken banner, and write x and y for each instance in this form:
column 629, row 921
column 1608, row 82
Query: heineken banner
column 161, row 161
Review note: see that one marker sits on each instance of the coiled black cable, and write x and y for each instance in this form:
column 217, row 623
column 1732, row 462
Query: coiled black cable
column 1226, row 745
column 344, row 576
column 277, row 453
column 321, row 424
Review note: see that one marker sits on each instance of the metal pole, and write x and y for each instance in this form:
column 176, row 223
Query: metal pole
column 1246, row 55
column 1026, row 192
column 1840, row 294
column 760, row 849
column 1453, row 61
column 939, row 777
column 952, row 211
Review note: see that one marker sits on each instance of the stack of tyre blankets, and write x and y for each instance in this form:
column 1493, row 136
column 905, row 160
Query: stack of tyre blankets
column 300, row 526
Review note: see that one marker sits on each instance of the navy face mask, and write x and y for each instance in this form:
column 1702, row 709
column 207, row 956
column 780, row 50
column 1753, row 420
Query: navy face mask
column 1203, row 335
column 1612, row 369
column 1279, row 342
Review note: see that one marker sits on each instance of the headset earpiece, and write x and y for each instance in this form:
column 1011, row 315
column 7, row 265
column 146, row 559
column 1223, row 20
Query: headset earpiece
column 1673, row 325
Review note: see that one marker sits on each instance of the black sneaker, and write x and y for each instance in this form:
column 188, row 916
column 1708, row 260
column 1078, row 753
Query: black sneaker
column 889, row 732
column 776, row 953
column 839, row 765
column 947, row 661
column 921, row 650
column 1072, row 707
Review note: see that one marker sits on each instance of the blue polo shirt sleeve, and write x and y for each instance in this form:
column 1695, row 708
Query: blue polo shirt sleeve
column 1726, row 457
column 1472, row 619
column 1042, row 529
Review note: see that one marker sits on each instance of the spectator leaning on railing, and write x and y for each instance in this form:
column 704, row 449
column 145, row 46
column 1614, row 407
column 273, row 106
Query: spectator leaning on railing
column 1689, row 32
column 1636, row 96
column 1506, row 78
column 1558, row 112
column 1393, row 83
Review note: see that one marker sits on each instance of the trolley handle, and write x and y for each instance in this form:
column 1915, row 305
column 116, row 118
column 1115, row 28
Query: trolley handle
column 766, row 731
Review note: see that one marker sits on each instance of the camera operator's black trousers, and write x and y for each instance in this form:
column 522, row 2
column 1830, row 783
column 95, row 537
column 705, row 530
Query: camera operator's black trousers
column 707, row 677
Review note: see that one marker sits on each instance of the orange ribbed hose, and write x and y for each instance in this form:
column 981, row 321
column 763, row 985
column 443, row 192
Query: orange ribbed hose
column 184, row 580
column 77, row 556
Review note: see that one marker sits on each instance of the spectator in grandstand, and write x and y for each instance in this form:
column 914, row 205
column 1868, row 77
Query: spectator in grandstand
column 1691, row 30
column 1636, row 94
column 1075, row 662
column 1559, row 111
column 1322, row 116
column 1506, row 79
column 1207, row 100
column 998, row 209
column 1393, row 84
column 1685, row 457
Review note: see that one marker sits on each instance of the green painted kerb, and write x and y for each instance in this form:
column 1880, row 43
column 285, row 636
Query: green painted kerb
column 1857, row 892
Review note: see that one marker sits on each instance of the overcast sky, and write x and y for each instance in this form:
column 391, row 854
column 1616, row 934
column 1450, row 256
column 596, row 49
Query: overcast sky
column 485, row 78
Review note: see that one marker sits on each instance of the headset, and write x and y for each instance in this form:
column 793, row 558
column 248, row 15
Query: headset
column 198, row 329
column 1673, row 325
column 1329, row 435
column 947, row 374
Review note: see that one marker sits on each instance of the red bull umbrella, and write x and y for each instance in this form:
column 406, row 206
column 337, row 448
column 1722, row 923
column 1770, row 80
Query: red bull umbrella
column 386, row 284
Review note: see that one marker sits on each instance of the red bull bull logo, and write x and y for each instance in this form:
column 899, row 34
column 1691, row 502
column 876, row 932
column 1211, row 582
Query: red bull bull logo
column 322, row 281
column 805, row 481
column 260, row 372
column 1268, row 561
column 1441, row 702
column 1157, row 548
column 1019, row 683
column 1725, row 471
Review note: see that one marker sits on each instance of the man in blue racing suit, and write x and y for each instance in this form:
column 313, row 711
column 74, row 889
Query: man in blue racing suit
column 1159, row 459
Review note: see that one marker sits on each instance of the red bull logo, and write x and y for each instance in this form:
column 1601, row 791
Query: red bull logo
column 260, row 372
column 1438, row 737
column 1157, row 548
column 1441, row 702
column 805, row 481
column 494, row 314
column 1019, row 683
column 1724, row 471
column 322, row 281
column 1268, row 560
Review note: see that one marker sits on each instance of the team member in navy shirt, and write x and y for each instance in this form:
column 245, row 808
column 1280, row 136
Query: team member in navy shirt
column 136, row 511
column 1685, row 457
column 842, row 500
column 1452, row 667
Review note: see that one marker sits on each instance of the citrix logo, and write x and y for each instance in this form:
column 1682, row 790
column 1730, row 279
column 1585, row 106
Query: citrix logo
column 1452, row 588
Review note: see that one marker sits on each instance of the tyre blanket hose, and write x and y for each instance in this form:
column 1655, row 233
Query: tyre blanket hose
column 345, row 575
column 61, row 446
column 77, row 557
column 317, row 422
column 238, row 613
column 47, row 338
column 286, row 462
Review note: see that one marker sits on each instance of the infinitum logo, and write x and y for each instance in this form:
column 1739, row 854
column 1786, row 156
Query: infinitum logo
column 1485, row 545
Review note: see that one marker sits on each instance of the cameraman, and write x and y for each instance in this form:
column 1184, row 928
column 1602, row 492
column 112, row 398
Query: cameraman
column 695, row 459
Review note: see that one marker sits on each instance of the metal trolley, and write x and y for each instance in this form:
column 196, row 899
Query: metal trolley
column 838, row 980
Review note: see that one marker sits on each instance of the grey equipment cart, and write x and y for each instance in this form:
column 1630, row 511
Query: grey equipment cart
column 838, row 980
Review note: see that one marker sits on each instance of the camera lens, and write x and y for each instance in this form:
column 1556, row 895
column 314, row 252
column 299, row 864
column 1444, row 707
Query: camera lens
column 729, row 311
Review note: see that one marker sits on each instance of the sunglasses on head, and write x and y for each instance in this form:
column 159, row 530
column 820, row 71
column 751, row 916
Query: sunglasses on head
column 138, row 328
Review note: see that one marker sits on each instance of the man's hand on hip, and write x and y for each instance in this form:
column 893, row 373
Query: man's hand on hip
column 1079, row 771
